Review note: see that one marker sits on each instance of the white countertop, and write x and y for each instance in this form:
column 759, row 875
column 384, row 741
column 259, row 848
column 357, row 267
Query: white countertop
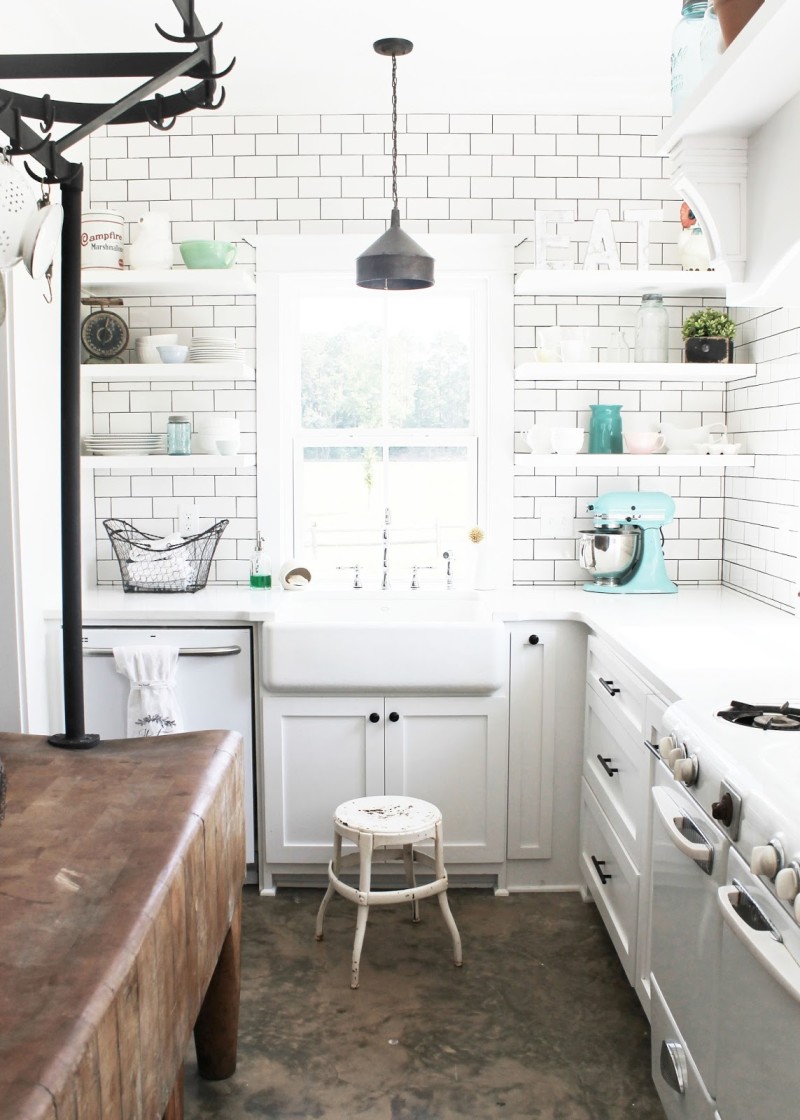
column 706, row 645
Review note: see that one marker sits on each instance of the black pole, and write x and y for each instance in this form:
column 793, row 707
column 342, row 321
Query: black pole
column 75, row 736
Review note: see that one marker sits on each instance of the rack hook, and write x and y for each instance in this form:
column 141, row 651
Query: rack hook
column 16, row 145
column 221, row 73
column 188, row 36
column 206, row 102
column 156, row 115
column 48, row 113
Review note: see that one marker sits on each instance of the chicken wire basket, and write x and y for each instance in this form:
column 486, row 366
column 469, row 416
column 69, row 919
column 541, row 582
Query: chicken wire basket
column 148, row 563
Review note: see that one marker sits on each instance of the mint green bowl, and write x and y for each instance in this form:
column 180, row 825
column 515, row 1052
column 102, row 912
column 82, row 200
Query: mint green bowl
column 208, row 254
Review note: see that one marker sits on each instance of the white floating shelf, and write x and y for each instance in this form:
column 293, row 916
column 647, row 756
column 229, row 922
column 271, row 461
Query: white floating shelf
column 756, row 75
column 617, row 282
column 636, row 371
column 167, row 282
column 162, row 371
column 594, row 464
column 164, row 462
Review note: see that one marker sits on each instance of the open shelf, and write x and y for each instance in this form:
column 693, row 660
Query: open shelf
column 595, row 464
column 636, row 371
column 168, row 282
column 756, row 75
column 617, row 282
column 164, row 462
column 162, row 371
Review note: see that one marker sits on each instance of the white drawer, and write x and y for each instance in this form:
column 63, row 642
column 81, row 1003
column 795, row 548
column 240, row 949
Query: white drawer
column 611, row 878
column 617, row 685
column 676, row 1078
column 617, row 768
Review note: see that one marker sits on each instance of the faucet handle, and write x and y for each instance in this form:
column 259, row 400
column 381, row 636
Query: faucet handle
column 352, row 568
column 418, row 568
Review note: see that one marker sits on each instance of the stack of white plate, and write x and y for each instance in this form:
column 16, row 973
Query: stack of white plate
column 126, row 443
column 203, row 349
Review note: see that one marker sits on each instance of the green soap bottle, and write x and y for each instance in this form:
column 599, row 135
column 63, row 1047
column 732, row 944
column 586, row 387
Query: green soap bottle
column 260, row 566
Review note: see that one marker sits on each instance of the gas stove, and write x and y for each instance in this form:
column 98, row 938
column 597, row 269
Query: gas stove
column 763, row 717
column 742, row 773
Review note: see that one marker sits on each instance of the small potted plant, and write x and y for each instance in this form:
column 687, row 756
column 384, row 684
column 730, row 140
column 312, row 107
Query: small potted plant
column 709, row 336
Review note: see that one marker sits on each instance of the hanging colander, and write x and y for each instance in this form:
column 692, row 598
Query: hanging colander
column 29, row 230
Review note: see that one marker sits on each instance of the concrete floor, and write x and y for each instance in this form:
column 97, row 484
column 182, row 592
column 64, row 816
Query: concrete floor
column 540, row 1022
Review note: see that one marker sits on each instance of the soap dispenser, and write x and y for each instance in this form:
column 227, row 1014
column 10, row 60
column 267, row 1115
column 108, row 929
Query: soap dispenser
column 260, row 566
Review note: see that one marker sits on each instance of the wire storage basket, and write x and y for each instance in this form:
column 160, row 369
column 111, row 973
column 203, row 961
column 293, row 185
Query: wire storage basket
column 147, row 562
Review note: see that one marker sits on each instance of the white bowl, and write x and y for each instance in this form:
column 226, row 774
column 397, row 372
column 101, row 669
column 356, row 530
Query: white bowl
column 214, row 428
column 227, row 446
column 146, row 347
column 173, row 355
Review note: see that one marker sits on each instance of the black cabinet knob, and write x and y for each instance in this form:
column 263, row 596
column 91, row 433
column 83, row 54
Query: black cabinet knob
column 374, row 717
column 394, row 716
column 534, row 639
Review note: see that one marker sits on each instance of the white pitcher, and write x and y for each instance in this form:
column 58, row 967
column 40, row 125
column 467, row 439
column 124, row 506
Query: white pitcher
column 152, row 246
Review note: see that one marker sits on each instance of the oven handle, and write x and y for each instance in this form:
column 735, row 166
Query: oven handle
column 702, row 854
column 772, row 954
column 189, row 651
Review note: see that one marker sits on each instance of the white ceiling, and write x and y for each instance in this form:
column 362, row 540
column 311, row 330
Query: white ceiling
column 311, row 56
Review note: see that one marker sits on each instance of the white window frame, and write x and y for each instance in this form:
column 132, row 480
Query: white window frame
column 282, row 262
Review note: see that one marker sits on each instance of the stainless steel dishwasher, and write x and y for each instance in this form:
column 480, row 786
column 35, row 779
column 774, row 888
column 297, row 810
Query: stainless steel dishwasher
column 213, row 686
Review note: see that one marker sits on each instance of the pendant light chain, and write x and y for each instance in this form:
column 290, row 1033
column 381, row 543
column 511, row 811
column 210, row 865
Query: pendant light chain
column 394, row 131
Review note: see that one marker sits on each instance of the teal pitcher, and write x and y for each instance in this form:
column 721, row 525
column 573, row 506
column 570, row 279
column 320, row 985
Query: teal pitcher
column 605, row 429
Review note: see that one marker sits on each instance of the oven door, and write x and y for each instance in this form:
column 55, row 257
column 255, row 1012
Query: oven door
column 689, row 855
column 759, row 1027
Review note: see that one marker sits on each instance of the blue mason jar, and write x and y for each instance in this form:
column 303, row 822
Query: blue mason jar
column 605, row 429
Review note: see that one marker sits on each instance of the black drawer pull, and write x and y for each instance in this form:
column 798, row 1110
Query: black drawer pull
column 394, row 716
column 609, row 687
column 374, row 717
column 605, row 763
column 533, row 639
column 603, row 876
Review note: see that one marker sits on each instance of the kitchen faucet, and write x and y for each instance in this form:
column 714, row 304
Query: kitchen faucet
column 387, row 520
column 448, row 556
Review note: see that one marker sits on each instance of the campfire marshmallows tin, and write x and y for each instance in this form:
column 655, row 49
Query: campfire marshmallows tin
column 101, row 239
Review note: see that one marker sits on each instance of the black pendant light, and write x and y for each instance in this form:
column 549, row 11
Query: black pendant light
column 394, row 262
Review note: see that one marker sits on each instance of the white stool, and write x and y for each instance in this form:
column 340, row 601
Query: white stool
column 392, row 825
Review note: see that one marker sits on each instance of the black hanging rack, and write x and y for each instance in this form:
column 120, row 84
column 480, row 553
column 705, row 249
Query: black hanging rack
column 146, row 105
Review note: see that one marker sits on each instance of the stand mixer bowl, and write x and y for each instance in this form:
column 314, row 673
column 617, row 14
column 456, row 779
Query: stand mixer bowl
column 609, row 553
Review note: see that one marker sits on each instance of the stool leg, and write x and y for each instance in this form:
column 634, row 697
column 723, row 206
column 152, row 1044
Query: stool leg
column 411, row 878
column 443, row 903
column 333, row 869
column 364, row 882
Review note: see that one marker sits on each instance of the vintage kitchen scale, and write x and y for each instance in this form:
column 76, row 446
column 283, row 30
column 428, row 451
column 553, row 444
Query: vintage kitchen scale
column 624, row 552
column 104, row 334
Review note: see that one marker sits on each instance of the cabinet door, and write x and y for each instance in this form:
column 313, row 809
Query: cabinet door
column 452, row 751
column 617, row 768
column 531, row 741
column 318, row 752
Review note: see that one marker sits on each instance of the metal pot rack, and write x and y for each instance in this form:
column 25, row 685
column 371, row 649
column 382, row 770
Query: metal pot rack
column 144, row 104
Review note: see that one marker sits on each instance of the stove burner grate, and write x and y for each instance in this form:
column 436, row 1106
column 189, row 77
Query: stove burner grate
column 764, row 717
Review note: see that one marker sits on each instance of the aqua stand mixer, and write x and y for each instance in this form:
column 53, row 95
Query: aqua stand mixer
column 624, row 550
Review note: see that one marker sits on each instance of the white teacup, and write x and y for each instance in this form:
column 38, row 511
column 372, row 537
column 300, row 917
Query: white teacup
column 538, row 439
column 566, row 441
column 644, row 443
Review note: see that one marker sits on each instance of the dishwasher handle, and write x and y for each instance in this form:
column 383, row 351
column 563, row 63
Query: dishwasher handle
column 189, row 651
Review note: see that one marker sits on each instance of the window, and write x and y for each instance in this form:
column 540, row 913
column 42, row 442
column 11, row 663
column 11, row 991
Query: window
column 381, row 405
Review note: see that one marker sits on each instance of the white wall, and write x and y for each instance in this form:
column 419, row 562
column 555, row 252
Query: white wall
column 237, row 177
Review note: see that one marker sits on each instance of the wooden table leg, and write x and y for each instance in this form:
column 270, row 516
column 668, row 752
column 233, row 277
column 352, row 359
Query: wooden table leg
column 174, row 1109
column 217, row 1028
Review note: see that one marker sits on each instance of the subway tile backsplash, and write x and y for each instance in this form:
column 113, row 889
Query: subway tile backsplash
column 236, row 177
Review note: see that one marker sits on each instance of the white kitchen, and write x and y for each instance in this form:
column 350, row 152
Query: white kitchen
column 337, row 415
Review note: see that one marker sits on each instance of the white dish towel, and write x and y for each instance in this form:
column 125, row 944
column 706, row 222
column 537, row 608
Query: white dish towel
column 152, row 705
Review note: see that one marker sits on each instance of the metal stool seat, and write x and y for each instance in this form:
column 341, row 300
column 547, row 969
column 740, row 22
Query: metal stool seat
column 391, row 825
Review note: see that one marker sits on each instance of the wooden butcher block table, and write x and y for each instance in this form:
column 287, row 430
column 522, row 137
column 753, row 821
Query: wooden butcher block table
column 121, row 872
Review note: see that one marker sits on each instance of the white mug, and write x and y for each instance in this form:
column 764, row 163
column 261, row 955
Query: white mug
column 644, row 443
column 566, row 441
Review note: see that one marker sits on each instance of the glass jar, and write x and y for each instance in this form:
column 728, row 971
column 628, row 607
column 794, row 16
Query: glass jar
column 179, row 435
column 711, row 45
column 652, row 330
column 686, row 70
column 618, row 349
column 605, row 429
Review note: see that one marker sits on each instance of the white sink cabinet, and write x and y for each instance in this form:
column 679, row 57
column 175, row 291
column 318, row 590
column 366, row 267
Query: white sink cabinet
column 321, row 750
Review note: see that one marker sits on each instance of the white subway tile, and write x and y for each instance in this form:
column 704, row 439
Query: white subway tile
column 277, row 145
